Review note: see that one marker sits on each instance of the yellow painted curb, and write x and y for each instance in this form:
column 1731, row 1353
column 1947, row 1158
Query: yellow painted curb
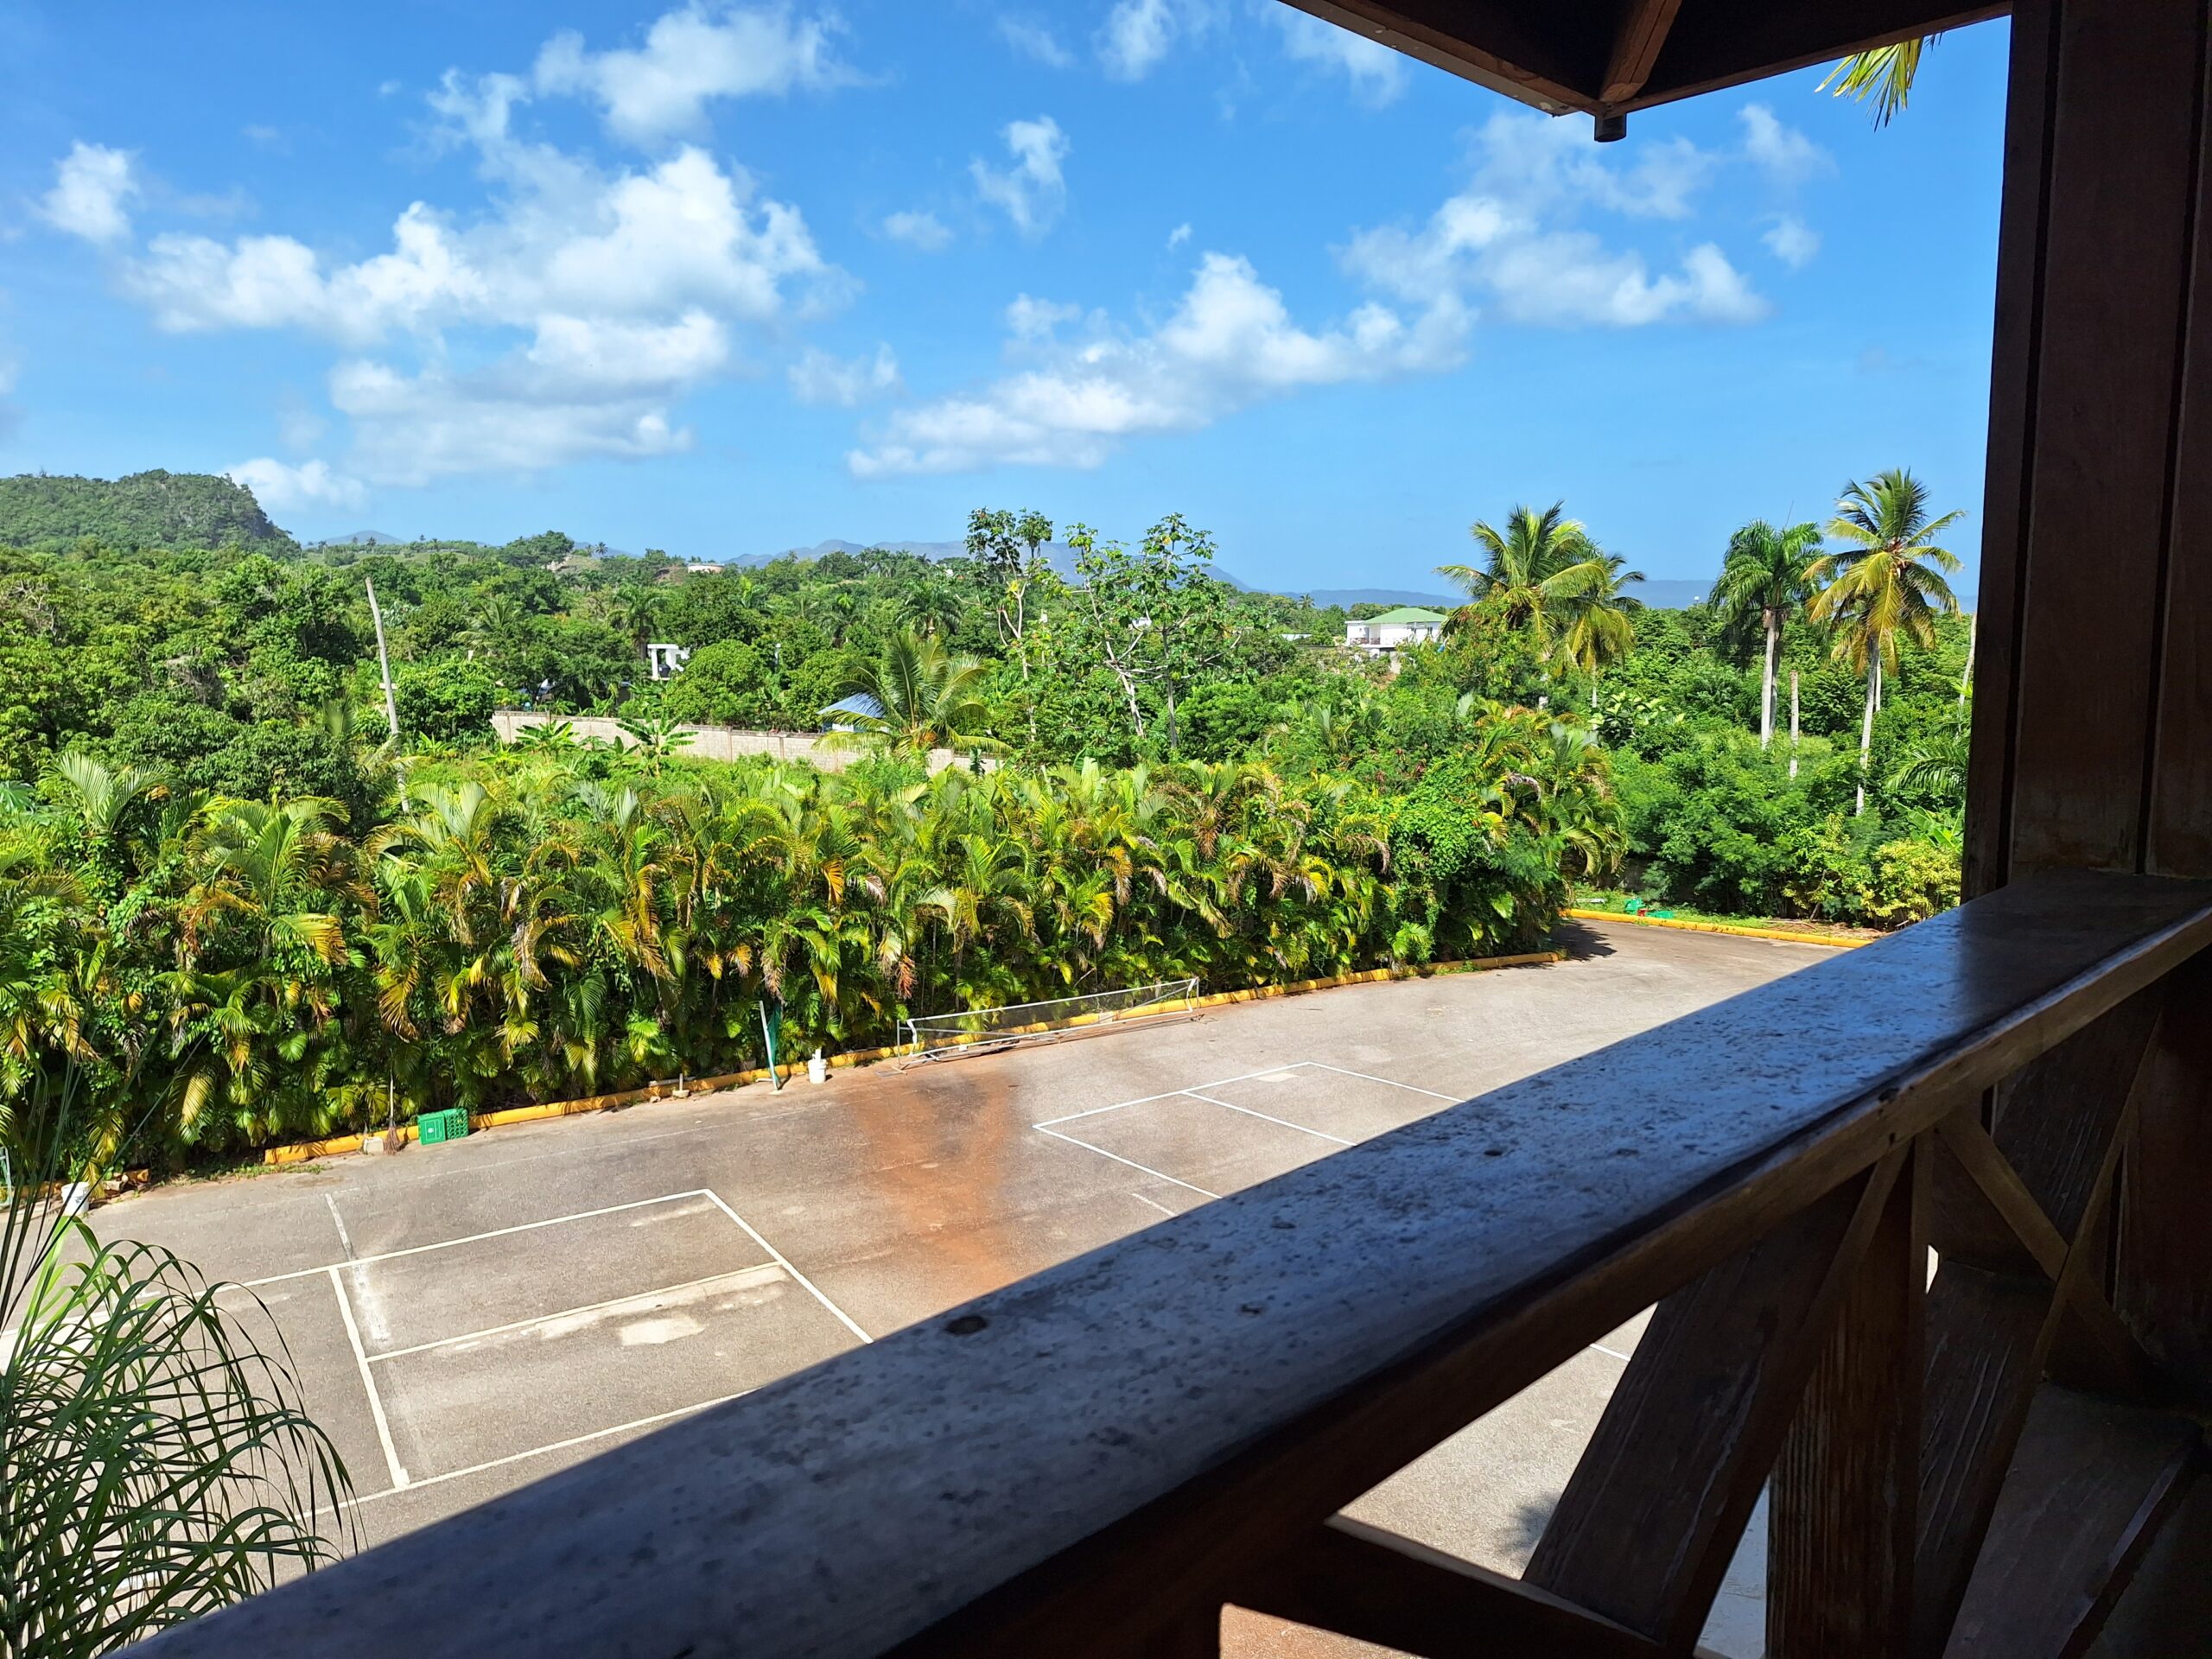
column 1377, row 975
column 301, row 1152
column 1717, row 927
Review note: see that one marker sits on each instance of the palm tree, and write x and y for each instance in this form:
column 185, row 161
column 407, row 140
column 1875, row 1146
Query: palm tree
column 1937, row 767
column 1885, row 74
column 931, row 604
column 160, row 1464
column 931, row 699
column 1768, row 572
column 657, row 738
column 1599, row 617
column 1886, row 580
column 635, row 612
column 1536, row 562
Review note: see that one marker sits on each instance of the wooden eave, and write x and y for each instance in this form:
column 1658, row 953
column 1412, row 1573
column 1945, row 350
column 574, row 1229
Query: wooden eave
column 1612, row 56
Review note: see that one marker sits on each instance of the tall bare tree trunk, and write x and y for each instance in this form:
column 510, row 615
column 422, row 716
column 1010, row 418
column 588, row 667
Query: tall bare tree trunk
column 1766, row 692
column 383, row 662
column 1793, row 722
column 1866, row 727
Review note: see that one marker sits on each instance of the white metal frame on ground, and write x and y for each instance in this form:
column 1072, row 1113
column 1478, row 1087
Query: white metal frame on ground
column 1177, row 996
column 364, row 1361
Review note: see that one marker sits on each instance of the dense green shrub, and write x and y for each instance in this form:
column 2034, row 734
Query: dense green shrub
column 542, row 924
column 445, row 703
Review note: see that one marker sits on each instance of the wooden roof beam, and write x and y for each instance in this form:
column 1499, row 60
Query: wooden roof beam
column 1636, row 48
column 1511, row 48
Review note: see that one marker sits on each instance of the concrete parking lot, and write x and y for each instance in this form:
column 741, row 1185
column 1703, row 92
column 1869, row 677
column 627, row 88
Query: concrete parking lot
column 470, row 1317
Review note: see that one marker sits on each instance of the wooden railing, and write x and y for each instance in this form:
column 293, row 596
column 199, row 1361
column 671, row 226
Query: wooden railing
column 1095, row 1459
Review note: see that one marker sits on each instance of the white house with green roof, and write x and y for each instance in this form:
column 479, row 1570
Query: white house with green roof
column 1408, row 624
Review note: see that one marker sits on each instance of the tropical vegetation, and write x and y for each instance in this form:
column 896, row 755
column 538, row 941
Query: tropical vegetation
column 245, row 910
column 160, row 1463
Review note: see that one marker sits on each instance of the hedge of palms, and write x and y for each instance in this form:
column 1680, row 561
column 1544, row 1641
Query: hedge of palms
column 227, row 972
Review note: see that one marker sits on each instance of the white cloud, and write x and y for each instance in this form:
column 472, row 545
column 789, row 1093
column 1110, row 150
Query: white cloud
column 561, row 321
column 1785, row 154
column 633, row 246
column 1793, row 241
column 917, row 229
column 1028, row 318
column 1033, row 190
column 517, row 416
column 1377, row 73
column 91, row 185
column 818, row 377
column 1230, row 343
column 1178, row 236
column 1545, row 163
column 690, row 56
column 1138, row 35
column 1035, row 40
column 1507, row 239
column 283, row 488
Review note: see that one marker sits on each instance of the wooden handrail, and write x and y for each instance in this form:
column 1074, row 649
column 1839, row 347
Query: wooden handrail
column 1083, row 1462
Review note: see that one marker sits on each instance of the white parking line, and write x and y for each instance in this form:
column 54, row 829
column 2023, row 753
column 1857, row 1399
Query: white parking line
column 471, row 1238
column 845, row 1319
column 375, row 1402
column 736, row 1278
column 1411, row 1089
column 1156, row 1175
column 1155, row 1204
column 1231, row 1105
column 560, row 1446
column 344, row 1240
column 1169, row 1093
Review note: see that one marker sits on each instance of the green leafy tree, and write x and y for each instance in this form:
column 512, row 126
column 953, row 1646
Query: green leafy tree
column 726, row 683
column 445, row 702
column 1156, row 620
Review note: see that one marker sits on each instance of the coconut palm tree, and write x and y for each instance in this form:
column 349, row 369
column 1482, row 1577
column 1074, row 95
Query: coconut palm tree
column 931, row 699
column 1884, row 75
column 1767, row 574
column 1530, row 568
column 931, row 604
column 1600, row 626
column 1884, row 582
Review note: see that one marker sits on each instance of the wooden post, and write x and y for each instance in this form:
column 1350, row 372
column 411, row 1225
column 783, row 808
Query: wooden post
column 1842, row 1518
column 2091, row 749
column 2163, row 1278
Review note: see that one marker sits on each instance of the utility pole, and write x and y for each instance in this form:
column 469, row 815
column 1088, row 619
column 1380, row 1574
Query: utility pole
column 384, row 664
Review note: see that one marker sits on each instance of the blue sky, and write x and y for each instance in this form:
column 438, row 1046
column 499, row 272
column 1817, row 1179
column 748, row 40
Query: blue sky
column 726, row 279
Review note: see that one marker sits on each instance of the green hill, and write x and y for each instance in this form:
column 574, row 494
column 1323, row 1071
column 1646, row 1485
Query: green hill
column 154, row 509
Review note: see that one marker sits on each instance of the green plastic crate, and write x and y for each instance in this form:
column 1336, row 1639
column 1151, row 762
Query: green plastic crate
column 436, row 1127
